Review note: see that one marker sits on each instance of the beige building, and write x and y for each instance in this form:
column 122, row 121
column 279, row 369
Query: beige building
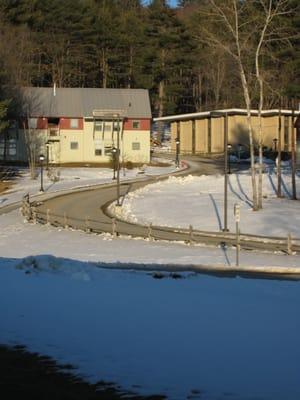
column 203, row 132
column 81, row 125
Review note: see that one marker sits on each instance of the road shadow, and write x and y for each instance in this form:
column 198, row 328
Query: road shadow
column 216, row 210
column 247, row 199
column 244, row 200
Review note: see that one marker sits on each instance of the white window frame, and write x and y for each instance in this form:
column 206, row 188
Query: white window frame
column 138, row 122
column 72, row 147
column 74, row 123
column 135, row 146
column 98, row 155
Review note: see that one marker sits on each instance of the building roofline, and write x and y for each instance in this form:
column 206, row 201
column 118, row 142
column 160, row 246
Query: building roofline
column 228, row 111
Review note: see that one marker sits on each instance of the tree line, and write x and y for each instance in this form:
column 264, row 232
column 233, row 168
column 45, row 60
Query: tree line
column 181, row 55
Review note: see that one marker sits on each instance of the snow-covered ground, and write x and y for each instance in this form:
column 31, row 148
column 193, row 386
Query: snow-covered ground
column 199, row 201
column 199, row 336
column 74, row 177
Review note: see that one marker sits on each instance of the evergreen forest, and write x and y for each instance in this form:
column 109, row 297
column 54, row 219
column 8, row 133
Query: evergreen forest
column 181, row 55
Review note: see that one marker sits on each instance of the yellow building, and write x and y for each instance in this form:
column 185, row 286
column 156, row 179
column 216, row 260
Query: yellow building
column 203, row 132
column 80, row 125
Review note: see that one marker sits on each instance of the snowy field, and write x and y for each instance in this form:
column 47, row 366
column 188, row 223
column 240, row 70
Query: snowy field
column 199, row 201
column 72, row 178
column 198, row 337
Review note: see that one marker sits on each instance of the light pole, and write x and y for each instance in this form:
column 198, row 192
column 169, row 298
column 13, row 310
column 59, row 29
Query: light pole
column 113, row 115
column 118, row 158
column 177, row 141
column 225, row 116
column 229, row 147
column 114, row 152
column 41, row 158
column 240, row 148
column 47, row 156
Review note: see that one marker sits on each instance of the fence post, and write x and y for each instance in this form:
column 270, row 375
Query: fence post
column 191, row 234
column 114, row 227
column 87, row 224
column 66, row 221
column 150, row 231
column 48, row 216
column 289, row 244
column 33, row 215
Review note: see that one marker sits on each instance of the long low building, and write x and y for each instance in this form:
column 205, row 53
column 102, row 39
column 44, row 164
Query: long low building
column 203, row 132
column 80, row 125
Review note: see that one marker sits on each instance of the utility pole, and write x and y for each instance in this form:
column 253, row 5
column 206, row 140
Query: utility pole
column 118, row 160
column 293, row 151
column 279, row 194
column 225, row 227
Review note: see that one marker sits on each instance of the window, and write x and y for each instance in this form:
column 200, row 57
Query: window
column 98, row 126
column 136, row 146
column 136, row 124
column 32, row 123
column 107, row 150
column 98, row 152
column 74, row 123
column 1, row 147
column 116, row 126
column 107, row 127
column 74, row 146
column 12, row 147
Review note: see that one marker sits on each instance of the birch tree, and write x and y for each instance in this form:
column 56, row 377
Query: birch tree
column 241, row 29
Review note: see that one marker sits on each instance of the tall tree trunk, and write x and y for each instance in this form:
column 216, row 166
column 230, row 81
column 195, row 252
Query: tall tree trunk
column 130, row 67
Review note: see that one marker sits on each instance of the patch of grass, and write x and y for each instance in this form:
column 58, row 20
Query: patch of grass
column 4, row 186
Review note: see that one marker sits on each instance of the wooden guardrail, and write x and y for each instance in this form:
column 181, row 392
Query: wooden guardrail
column 116, row 227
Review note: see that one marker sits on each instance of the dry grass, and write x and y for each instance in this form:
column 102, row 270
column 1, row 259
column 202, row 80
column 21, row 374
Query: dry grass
column 4, row 186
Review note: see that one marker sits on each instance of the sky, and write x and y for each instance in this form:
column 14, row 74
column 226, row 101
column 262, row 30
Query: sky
column 172, row 3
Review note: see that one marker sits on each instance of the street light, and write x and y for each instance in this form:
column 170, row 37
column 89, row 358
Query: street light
column 47, row 159
column 41, row 158
column 177, row 141
column 229, row 147
column 113, row 115
column 240, row 148
column 114, row 153
column 225, row 115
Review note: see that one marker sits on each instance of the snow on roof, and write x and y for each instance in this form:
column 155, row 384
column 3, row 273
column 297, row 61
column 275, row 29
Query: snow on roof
column 229, row 111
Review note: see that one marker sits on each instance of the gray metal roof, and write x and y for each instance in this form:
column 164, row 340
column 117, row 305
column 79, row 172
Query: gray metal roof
column 81, row 102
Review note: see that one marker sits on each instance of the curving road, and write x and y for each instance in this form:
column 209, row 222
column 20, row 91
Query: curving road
column 86, row 209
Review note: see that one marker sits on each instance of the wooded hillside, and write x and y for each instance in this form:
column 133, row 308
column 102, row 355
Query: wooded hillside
column 123, row 43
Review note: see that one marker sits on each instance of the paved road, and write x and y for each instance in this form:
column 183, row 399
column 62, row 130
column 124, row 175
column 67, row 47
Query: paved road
column 87, row 210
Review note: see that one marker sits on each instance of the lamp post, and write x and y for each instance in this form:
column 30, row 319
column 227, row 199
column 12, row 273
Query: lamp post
column 114, row 153
column 41, row 158
column 118, row 158
column 229, row 147
column 177, row 141
column 47, row 156
column 113, row 115
column 240, row 148
column 225, row 116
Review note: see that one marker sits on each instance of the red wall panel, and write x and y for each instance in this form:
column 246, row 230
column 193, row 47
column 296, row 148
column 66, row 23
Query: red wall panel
column 65, row 123
column 42, row 123
column 144, row 124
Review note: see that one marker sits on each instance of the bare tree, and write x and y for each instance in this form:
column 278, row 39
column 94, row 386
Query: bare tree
column 241, row 29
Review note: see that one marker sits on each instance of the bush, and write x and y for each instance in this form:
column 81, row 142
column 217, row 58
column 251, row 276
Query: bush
column 129, row 165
